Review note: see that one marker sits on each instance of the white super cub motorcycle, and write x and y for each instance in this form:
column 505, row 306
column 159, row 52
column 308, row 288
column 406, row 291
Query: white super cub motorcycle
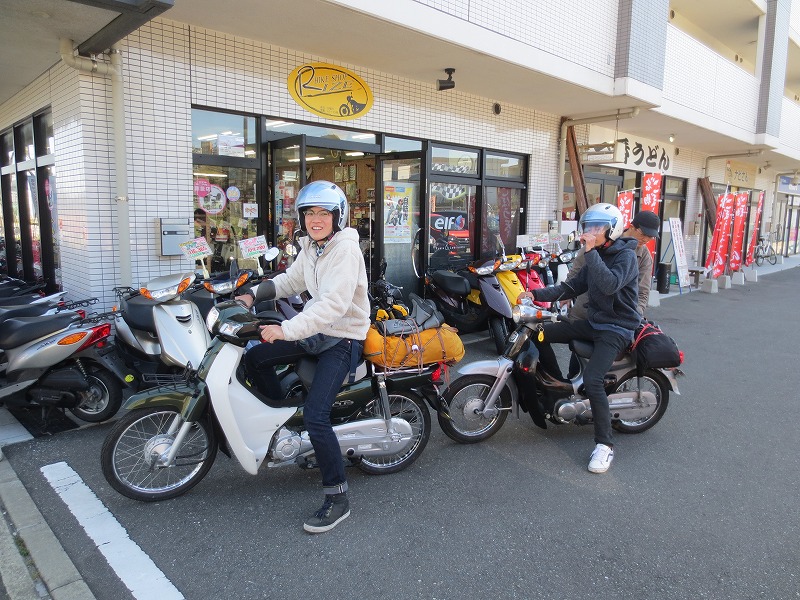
column 169, row 440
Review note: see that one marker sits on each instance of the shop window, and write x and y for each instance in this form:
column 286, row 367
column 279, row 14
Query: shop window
column 504, row 166
column 223, row 134
column 452, row 224
column 454, row 161
column 500, row 219
column 23, row 142
column 7, row 149
column 278, row 128
column 393, row 144
column 226, row 211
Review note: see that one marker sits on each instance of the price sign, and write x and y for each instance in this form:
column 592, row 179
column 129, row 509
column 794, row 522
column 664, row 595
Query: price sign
column 252, row 247
column 196, row 249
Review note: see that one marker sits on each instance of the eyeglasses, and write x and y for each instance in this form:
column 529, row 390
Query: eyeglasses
column 323, row 214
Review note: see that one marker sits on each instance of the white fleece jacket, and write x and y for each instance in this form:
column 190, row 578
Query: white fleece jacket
column 337, row 283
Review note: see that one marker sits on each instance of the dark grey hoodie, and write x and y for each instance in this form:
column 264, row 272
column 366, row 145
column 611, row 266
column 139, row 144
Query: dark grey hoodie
column 610, row 276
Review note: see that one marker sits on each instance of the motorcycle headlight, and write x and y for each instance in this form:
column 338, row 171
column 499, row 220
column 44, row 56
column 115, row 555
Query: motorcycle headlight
column 526, row 314
column 510, row 265
column 166, row 293
column 219, row 288
column 211, row 318
column 566, row 257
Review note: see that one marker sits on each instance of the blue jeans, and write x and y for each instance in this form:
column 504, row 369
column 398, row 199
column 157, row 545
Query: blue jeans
column 607, row 345
column 332, row 367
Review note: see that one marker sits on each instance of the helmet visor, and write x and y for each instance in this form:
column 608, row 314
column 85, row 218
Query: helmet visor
column 594, row 227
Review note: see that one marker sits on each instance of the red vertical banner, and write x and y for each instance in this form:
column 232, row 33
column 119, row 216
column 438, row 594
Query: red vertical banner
column 651, row 196
column 718, row 255
column 625, row 206
column 739, row 219
column 754, row 234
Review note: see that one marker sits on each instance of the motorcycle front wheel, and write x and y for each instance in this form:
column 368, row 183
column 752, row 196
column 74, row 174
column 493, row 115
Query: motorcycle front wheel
column 465, row 400
column 102, row 400
column 416, row 413
column 131, row 455
column 498, row 327
column 652, row 381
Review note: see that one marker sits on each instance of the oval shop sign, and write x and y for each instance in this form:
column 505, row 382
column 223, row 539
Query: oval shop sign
column 330, row 91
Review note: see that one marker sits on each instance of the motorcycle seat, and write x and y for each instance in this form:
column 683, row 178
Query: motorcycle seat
column 17, row 331
column 26, row 310
column 138, row 313
column 584, row 349
column 451, row 283
column 307, row 366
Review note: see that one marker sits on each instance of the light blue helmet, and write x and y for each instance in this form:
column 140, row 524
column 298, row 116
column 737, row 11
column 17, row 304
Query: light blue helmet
column 326, row 195
column 606, row 215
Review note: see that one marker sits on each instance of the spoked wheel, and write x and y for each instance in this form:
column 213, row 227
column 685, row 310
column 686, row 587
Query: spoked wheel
column 102, row 400
column 465, row 400
column 759, row 256
column 415, row 412
column 651, row 381
column 133, row 455
column 772, row 257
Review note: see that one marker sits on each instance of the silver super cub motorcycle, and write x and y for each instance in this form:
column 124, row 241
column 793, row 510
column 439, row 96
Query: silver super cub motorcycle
column 476, row 405
column 168, row 441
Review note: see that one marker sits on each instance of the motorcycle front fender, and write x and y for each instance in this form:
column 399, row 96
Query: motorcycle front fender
column 495, row 297
column 190, row 399
column 493, row 368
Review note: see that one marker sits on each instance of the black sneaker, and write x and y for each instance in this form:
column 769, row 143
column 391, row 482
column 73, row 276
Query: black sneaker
column 335, row 509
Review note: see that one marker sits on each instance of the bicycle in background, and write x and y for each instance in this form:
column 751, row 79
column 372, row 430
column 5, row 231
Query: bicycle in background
column 764, row 250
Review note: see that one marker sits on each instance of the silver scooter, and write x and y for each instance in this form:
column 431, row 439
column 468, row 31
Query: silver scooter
column 61, row 361
column 159, row 332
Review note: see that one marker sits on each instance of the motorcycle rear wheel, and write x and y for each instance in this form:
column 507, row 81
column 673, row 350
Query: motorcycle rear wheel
column 128, row 449
column 463, row 398
column 102, row 400
column 414, row 411
column 652, row 381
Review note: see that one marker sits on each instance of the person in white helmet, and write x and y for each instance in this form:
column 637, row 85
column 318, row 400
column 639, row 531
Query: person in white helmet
column 610, row 276
column 332, row 326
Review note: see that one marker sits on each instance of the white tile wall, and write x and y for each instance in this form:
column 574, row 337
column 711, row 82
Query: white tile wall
column 565, row 29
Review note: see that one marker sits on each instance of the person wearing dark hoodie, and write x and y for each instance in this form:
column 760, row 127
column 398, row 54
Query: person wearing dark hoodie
column 610, row 276
column 332, row 326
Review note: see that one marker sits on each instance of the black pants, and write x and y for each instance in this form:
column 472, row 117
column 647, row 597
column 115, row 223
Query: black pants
column 607, row 345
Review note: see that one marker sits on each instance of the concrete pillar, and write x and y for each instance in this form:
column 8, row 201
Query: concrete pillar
column 751, row 275
column 724, row 282
column 709, row 286
column 738, row 278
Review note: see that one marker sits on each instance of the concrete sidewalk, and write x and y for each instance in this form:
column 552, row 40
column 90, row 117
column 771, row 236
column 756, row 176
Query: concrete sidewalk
column 47, row 572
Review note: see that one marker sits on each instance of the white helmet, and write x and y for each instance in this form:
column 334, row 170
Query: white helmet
column 326, row 195
column 603, row 215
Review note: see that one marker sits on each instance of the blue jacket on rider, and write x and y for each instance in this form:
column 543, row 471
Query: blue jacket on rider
column 610, row 276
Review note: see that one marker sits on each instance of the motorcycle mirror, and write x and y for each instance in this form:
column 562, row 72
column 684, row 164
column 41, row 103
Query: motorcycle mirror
column 271, row 254
column 234, row 270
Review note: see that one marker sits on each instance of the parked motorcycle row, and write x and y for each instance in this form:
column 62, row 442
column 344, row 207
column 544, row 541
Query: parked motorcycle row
column 180, row 343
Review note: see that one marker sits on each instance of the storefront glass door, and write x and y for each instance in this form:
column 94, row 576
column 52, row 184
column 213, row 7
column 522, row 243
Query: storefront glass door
column 398, row 211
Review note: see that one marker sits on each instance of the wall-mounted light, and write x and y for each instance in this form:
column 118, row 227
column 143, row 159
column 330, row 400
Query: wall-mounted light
column 671, row 137
column 446, row 84
column 795, row 179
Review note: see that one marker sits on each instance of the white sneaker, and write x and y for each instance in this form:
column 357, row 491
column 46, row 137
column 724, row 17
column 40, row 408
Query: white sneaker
column 601, row 458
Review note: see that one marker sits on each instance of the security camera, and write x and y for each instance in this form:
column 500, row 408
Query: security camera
column 446, row 84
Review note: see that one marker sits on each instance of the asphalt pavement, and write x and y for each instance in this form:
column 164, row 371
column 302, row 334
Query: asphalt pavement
column 702, row 506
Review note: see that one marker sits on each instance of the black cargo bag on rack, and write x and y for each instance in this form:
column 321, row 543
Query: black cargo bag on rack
column 654, row 349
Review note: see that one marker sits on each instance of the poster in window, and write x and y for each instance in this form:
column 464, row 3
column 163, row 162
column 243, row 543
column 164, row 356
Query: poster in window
column 398, row 199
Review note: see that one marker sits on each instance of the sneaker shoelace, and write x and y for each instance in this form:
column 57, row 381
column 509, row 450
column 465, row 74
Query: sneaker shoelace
column 325, row 510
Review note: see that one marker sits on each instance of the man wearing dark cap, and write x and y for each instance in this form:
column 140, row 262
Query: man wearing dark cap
column 643, row 228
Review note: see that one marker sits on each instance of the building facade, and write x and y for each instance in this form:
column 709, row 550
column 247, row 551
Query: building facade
column 198, row 133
